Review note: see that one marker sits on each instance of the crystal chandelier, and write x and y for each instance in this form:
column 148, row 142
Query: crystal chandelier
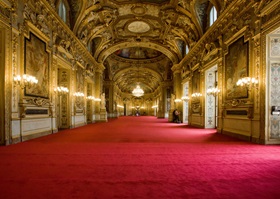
column 138, row 91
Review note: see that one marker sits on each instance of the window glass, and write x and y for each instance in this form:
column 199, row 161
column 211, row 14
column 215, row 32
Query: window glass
column 213, row 15
column 62, row 11
column 187, row 49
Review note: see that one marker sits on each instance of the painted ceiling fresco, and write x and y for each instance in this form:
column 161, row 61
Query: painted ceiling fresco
column 138, row 53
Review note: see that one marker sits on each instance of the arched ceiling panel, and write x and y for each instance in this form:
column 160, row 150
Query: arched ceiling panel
column 161, row 27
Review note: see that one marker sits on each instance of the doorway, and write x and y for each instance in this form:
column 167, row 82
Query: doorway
column 273, row 88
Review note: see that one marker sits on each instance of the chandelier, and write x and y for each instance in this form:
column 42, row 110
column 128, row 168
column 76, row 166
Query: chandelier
column 138, row 91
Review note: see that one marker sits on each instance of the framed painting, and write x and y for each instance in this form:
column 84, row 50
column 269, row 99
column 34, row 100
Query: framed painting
column 236, row 67
column 37, row 65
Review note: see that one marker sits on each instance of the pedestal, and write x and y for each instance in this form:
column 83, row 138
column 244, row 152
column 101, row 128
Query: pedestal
column 170, row 116
column 103, row 115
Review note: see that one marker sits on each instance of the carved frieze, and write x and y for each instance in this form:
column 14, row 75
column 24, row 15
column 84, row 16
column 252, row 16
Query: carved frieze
column 5, row 13
column 40, row 102
column 237, row 103
column 39, row 18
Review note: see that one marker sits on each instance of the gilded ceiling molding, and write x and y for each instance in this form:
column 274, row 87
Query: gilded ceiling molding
column 128, row 78
column 265, row 7
column 5, row 12
column 44, row 17
column 6, row 3
column 126, row 21
column 117, row 58
column 223, row 25
column 94, row 24
column 102, row 57
column 271, row 17
column 158, row 77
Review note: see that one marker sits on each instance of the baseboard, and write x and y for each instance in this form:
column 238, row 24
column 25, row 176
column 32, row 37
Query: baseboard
column 36, row 135
column 238, row 136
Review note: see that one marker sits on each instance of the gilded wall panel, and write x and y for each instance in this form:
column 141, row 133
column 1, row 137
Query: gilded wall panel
column 5, row 84
column 274, row 47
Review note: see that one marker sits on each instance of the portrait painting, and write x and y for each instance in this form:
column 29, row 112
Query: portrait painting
column 37, row 65
column 236, row 67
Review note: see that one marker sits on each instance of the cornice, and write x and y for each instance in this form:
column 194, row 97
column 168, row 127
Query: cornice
column 266, row 10
column 5, row 4
column 214, row 31
column 272, row 17
column 61, row 25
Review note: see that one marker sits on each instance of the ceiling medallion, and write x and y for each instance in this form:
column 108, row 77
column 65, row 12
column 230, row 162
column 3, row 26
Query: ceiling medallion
column 138, row 27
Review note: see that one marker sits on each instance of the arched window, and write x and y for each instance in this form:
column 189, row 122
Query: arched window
column 89, row 46
column 187, row 49
column 212, row 16
column 62, row 11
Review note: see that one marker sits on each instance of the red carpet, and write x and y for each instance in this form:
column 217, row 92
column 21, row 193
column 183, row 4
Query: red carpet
column 139, row 158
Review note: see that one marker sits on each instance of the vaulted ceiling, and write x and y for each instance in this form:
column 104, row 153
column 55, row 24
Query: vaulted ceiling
column 138, row 41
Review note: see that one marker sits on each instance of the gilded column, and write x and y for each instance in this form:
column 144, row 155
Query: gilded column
column 177, row 83
column 112, row 100
column 220, row 96
column 162, row 101
column 97, row 94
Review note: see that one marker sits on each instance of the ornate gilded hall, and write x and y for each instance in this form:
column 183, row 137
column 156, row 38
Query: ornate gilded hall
column 69, row 63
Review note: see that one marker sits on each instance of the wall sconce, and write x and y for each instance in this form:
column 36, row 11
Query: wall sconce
column 61, row 90
column 97, row 99
column 25, row 80
column 155, row 106
column 79, row 94
column 120, row 106
column 90, row 98
column 196, row 95
column 185, row 98
column 247, row 82
column 213, row 91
